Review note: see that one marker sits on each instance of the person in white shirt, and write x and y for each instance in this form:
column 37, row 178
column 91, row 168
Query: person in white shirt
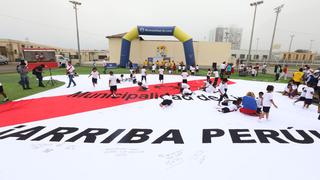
column 209, row 75
column 253, row 72
column 95, row 74
column 104, row 64
column 222, row 69
column 197, row 68
column 134, row 78
column 167, row 100
column 185, row 89
column 223, row 90
column 186, row 92
column 259, row 103
column 113, row 84
column 302, row 96
column 216, row 77
column 3, row 93
column 131, row 73
column 143, row 86
column 230, row 108
column 207, row 87
column 183, row 67
column 192, row 70
column 154, row 67
column 143, row 74
column 70, row 72
column 309, row 96
column 184, row 75
column 161, row 74
column 179, row 68
column 267, row 101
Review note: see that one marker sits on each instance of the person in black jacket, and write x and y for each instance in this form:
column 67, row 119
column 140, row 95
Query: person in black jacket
column 277, row 71
column 37, row 71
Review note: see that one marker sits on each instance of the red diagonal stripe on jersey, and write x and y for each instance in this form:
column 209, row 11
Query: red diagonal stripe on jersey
column 30, row 110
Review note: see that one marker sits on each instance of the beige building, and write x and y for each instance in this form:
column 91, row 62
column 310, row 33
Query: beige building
column 12, row 49
column 299, row 56
column 205, row 52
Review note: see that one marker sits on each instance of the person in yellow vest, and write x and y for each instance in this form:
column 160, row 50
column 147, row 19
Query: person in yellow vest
column 157, row 64
column 163, row 62
column 297, row 77
column 145, row 63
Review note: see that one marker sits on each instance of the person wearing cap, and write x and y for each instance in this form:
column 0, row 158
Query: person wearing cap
column 37, row 71
column 24, row 79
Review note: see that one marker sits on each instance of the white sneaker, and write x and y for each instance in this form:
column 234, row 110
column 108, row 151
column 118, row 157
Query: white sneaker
column 5, row 99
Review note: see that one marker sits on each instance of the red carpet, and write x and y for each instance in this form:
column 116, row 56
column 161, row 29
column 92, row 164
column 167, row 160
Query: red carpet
column 24, row 111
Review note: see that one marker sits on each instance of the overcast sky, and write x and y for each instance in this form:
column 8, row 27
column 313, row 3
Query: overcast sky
column 52, row 21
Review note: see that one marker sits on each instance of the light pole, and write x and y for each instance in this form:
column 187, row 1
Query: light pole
column 257, row 46
column 227, row 36
column 255, row 4
column 75, row 7
column 277, row 11
column 311, row 42
column 291, row 36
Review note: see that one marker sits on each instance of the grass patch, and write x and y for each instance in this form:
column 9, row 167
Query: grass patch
column 14, row 90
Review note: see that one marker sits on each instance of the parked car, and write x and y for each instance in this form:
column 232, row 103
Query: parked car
column 3, row 60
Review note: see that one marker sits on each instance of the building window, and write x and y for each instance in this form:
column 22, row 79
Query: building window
column 31, row 46
column 234, row 55
column 15, row 51
column 265, row 57
column 304, row 57
column 242, row 56
column 297, row 57
column 284, row 56
column 256, row 57
column 22, row 45
column 311, row 57
column 289, row 56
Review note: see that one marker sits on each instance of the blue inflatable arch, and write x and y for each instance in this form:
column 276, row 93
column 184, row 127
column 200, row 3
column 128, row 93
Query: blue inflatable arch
column 157, row 31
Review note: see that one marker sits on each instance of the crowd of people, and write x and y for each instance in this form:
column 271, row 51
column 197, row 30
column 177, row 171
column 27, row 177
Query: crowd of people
column 304, row 86
column 306, row 78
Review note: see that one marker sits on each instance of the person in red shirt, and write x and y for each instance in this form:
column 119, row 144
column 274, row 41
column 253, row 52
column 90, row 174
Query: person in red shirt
column 284, row 73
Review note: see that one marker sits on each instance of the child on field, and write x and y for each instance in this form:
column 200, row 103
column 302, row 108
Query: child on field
column 302, row 96
column 223, row 90
column 267, row 101
column 232, row 107
column 208, row 88
column 143, row 74
column 209, row 75
column 167, row 100
column 143, row 86
column 154, row 66
column 259, row 103
column 95, row 74
column 216, row 77
column 161, row 72
column 113, row 84
column 134, row 78
column 185, row 89
column 309, row 96
column 184, row 75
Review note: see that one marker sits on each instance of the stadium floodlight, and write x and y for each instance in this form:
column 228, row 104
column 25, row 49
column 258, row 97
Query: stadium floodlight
column 75, row 7
column 255, row 4
column 277, row 11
